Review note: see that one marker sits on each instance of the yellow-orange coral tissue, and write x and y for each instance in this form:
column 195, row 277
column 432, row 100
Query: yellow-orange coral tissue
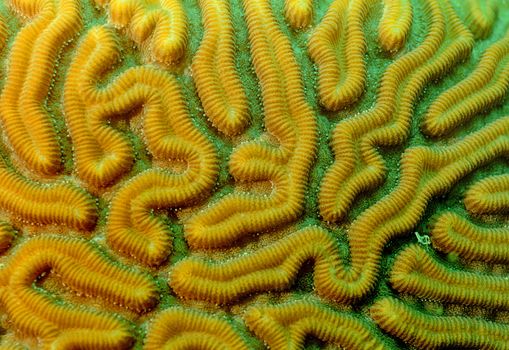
column 254, row 174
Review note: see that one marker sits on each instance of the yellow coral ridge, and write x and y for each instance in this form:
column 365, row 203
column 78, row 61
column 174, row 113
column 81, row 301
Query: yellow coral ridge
column 60, row 204
column 489, row 195
column 3, row 32
column 83, row 269
column 104, row 154
column 395, row 24
column 273, row 267
column 426, row 331
column 487, row 85
column 426, row 172
column 132, row 227
column 418, row 273
column 178, row 328
column 159, row 25
column 288, row 119
column 286, row 325
column 454, row 234
column 481, row 16
column 216, row 78
column 358, row 166
column 32, row 61
column 6, row 236
column 337, row 46
column 299, row 13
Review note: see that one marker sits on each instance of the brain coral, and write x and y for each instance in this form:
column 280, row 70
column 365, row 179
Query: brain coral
column 251, row 174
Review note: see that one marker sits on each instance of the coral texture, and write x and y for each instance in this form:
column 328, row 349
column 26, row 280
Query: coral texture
column 253, row 174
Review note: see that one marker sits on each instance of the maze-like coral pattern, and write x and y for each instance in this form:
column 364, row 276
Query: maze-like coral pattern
column 250, row 174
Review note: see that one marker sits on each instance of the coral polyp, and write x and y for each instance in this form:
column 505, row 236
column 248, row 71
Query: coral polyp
column 254, row 174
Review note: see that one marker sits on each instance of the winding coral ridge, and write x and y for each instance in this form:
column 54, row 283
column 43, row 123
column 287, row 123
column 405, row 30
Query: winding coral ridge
column 103, row 154
column 486, row 86
column 299, row 13
column 417, row 272
column 427, row 331
column 337, row 46
column 32, row 61
column 286, row 325
column 7, row 235
column 187, row 174
column 40, row 204
column 271, row 268
column 217, row 80
column 160, row 26
column 425, row 172
column 454, row 234
column 358, row 166
column 481, row 16
column 288, row 119
column 178, row 328
column 84, row 269
column 489, row 195
column 132, row 227
column 395, row 24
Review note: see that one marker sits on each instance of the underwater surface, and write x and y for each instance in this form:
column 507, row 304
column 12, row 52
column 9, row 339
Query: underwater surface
column 251, row 174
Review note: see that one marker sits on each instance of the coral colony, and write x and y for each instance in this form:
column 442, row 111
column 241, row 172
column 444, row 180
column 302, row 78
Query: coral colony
column 252, row 174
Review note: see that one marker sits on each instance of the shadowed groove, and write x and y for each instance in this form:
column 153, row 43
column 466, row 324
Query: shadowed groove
column 395, row 25
column 286, row 162
column 285, row 326
column 160, row 26
column 178, row 328
column 417, row 272
column 488, row 196
column 337, row 46
column 4, row 32
column 32, row 61
column 427, row 331
column 217, row 80
column 7, row 235
column 358, row 165
column 483, row 88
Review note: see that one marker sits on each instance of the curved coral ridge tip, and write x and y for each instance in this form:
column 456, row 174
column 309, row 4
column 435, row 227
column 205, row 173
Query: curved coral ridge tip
column 489, row 195
column 160, row 25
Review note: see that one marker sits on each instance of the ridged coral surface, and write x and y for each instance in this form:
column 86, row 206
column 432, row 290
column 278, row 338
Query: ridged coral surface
column 252, row 174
